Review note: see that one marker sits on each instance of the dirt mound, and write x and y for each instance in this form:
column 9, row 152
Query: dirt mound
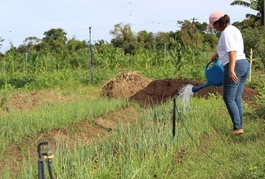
column 124, row 85
column 148, row 93
column 159, row 91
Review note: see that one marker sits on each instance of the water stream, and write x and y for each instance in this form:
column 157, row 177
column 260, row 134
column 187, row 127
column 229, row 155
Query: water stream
column 184, row 96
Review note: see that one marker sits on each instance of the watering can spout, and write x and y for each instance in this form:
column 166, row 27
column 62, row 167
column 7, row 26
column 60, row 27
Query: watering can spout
column 196, row 89
column 214, row 76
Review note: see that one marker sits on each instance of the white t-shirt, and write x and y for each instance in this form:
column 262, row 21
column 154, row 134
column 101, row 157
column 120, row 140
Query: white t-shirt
column 230, row 40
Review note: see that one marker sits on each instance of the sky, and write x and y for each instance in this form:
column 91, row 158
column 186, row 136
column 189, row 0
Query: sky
column 28, row 18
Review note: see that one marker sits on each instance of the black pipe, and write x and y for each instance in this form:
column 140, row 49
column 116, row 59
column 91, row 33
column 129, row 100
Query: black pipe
column 174, row 118
column 39, row 148
column 48, row 158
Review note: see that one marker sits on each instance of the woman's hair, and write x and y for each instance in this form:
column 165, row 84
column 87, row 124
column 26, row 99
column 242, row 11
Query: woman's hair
column 223, row 21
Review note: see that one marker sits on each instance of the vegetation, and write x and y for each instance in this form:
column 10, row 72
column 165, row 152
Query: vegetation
column 257, row 5
column 202, row 147
column 141, row 146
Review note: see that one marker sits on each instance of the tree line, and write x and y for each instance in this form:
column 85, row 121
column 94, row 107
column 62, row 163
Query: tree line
column 192, row 34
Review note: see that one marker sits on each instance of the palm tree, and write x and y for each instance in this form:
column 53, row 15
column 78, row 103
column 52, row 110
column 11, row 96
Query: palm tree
column 1, row 40
column 257, row 5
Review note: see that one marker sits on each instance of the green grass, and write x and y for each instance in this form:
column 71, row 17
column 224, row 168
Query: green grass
column 203, row 146
column 17, row 126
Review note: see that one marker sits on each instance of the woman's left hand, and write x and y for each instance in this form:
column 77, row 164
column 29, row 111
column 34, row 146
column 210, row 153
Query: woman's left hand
column 233, row 77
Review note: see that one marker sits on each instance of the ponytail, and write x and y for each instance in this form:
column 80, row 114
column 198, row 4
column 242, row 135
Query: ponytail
column 223, row 21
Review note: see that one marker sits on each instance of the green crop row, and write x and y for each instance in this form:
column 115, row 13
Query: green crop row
column 203, row 147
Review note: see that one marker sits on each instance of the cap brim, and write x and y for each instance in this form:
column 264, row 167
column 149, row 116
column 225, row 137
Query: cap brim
column 209, row 26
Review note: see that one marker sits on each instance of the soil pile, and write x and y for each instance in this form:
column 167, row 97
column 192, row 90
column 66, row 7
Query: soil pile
column 159, row 91
column 124, row 85
column 149, row 93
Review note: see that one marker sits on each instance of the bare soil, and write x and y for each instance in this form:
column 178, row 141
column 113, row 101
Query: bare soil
column 149, row 93
column 159, row 91
column 124, row 85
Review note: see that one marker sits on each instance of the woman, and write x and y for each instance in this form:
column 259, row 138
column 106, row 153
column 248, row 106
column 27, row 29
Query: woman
column 230, row 52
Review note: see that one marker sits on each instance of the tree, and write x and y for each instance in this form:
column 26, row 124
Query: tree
column 1, row 40
column 161, row 39
column 257, row 5
column 252, row 27
column 124, row 38
column 253, row 39
column 77, row 50
column 55, row 35
column 55, row 42
column 189, row 34
column 100, row 42
column 202, row 27
column 146, row 39
column 73, row 45
column 29, row 43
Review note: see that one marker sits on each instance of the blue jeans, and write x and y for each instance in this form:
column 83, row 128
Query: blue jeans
column 232, row 92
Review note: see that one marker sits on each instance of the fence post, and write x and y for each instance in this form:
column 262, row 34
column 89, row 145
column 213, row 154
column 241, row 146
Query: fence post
column 90, row 55
column 165, row 51
column 251, row 60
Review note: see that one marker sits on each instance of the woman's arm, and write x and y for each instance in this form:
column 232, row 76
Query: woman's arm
column 232, row 64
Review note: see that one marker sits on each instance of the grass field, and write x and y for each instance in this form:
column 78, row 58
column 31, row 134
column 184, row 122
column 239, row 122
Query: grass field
column 95, row 137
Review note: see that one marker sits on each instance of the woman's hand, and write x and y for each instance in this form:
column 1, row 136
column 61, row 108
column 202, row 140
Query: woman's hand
column 214, row 57
column 233, row 76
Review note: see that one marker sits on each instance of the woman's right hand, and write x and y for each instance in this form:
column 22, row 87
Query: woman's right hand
column 214, row 57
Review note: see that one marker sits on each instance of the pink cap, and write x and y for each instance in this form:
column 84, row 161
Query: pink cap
column 215, row 16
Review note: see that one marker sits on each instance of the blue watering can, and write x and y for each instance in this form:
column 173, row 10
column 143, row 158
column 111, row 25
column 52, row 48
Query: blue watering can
column 214, row 75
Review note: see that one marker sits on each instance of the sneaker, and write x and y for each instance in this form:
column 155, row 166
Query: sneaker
column 238, row 131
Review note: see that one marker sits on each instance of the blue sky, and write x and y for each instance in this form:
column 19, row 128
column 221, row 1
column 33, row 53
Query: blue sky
column 26, row 18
